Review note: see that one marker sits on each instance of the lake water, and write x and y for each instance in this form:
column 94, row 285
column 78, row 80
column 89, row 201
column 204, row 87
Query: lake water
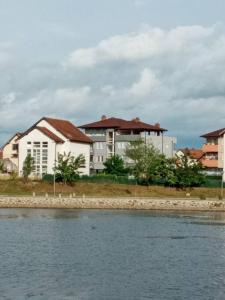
column 98, row 254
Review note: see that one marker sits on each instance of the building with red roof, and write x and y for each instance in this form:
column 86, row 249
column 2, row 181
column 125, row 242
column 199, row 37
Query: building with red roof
column 112, row 135
column 46, row 139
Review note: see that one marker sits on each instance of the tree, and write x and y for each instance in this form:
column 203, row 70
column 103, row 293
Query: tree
column 28, row 167
column 1, row 166
column 188, row 173
column 67, row 167
column 150, row 166
column 147, row 161
column 115, row 166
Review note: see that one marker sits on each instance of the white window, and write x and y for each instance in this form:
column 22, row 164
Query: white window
column 39, row 152
column 99, row 145
column 100, row 158
column 121, row 145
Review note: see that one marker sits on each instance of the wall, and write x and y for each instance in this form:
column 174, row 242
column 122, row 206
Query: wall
column 8, row 151
column 36, row 136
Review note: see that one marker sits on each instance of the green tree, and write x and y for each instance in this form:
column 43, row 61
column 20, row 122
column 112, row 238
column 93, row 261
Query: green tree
column 115, row 166
column 28, row 167
column 147, row 161
column 67, row 167
column 188, row 172
column 1, row 166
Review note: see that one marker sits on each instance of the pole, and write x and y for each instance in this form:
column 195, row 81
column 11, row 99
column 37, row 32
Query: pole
column 54, row 171
column 222, row 185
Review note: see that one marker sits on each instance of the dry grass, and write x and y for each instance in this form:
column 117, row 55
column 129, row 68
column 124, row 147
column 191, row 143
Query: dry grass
column 17, row 187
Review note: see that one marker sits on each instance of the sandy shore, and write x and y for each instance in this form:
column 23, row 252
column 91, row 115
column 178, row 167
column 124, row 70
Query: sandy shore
column 112, row 203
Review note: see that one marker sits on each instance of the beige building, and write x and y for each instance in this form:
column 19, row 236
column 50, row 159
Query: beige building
column 10, row 153
column 213, row 149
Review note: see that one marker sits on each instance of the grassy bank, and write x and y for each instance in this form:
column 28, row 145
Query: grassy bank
column 17, row 187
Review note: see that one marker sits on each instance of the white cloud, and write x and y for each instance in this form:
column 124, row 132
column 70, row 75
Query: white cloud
column 151, row 43
column 145, row 84
column 175, row 77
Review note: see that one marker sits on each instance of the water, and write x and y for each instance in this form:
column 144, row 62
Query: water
column 93, row 254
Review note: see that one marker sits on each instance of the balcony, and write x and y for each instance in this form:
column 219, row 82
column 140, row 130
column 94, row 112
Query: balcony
column 210, row 163
column 210, row 148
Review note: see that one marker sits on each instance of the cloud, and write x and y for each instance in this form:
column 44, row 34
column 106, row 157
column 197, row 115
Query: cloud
column 152, row 43
column 5, row 52
column 144, row 85
column 175, row 77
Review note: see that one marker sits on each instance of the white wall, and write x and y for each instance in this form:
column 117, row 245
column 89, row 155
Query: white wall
column 80, row 148
column 36, row 136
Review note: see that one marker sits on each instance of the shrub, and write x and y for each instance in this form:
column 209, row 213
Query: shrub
column 49, row 178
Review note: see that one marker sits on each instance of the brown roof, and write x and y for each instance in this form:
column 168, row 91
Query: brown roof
column 67, row 129
column 193, row 153
column 216, row 133
column 135, row 124
column 50, row 134
column 18, row 135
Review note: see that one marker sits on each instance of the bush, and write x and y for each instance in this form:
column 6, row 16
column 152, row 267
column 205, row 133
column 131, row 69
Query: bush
column 49, row 178
column 106, row 178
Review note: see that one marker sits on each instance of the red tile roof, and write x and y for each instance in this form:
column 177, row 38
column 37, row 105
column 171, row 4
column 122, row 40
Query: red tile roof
column 193, row 153
column 216, row 133
column 67, row 129
column 135, row 124
column 50, row 134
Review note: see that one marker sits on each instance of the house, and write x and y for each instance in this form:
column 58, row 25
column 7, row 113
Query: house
column 10, row 153
column 46, row 139
column 111, row 136
column 214, row 153
column 194, row 155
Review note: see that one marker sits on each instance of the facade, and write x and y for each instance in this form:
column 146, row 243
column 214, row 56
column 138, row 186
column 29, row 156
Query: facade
column 10, row 154
column 213, row 149
column 49, row 137
column 111, row 136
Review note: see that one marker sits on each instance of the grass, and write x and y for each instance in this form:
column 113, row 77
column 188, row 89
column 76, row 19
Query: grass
column 18, row 187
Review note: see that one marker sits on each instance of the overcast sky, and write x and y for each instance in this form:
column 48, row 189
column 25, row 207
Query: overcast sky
column 160, row 60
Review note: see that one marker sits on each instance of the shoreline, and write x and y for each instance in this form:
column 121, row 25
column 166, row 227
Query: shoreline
column 132, row 203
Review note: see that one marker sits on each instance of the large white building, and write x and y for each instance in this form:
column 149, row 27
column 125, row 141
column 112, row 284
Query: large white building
column 49, row 137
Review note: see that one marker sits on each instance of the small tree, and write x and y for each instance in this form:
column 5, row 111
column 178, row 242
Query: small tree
column 115, row 166
column 1, row 166
column 28, row 167
column 67, row 167
column 188, row 173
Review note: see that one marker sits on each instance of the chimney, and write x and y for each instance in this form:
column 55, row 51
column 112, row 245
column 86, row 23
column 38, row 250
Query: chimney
column 157, row 125
column 136, row 120
column 103, row 118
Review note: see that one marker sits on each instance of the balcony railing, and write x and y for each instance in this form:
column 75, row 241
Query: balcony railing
column 210, row 148
column 210, row 163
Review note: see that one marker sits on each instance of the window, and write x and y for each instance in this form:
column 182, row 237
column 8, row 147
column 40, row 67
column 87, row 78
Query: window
column 15, row 147
column 100, row 158
column 39, row 152
column 99, row 145
column 121, row 145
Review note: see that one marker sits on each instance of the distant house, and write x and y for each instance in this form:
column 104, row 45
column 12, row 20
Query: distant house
column 46, row 139
column 10, row 153
column 194, row 155
column 213, row 148
column 112, row 135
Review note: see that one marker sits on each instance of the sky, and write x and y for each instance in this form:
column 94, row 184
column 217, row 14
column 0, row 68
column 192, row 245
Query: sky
column 159, row 60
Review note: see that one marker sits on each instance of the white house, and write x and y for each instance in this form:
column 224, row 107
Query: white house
column 49, row 137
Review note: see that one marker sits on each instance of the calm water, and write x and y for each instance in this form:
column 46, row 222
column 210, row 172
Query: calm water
column 84, row 254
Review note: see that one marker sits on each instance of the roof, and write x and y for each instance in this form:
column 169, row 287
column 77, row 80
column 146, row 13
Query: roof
column 216, row 133
column 67, row 129
column 193, row 153
column 135, row 124
column 18, row 135
column 50, row 134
